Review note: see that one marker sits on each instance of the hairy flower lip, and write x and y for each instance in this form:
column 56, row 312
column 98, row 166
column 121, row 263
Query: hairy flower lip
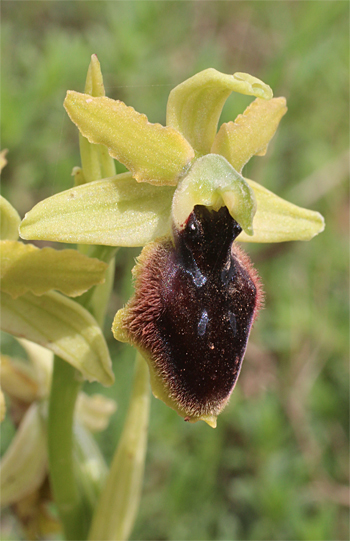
column 193, row 369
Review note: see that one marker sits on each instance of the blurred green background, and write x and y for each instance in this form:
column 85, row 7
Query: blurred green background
column 276, row 467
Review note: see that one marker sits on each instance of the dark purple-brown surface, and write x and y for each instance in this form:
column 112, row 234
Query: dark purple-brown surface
column 193, row 309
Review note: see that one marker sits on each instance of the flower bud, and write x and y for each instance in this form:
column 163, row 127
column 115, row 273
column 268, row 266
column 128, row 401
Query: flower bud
column 196, row 297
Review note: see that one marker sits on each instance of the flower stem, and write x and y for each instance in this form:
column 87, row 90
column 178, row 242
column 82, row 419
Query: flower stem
column 116, row 510
column 64, row 390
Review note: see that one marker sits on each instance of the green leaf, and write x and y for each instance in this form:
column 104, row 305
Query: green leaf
column 9, row 220
column 64, row 327
column 250, row 133
column 24, row 267
column 114, row 212
column 152, row 153
column 213, row 182
column 116, row 511
column 194, row 107
column 277, row 220
column 24, row 465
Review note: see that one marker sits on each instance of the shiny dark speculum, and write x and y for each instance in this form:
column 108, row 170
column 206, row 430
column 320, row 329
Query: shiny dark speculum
column 208, row 303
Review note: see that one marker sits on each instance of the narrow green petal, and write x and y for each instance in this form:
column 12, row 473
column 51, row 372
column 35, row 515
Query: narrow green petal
column 116, row 511
column 151, row 152
column 9, row 220
column 114, row 212
column 64, row 327
column 250, row 133
column 95, row 159
column 24, row 267
column 194, row 106
column 213, row 182
column 276, row 220
column 24, row 465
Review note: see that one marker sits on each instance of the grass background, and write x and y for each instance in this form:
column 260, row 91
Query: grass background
column 277, row 465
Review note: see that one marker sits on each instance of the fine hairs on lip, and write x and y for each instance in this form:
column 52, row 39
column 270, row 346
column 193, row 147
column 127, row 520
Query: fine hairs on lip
column 195, row 301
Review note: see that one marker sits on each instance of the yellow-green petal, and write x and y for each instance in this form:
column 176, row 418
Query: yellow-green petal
column 24, row 465
column 24, row 267
column 213, row 182
column 63, row 326
column 96, row 162
column 277, row 220
column 250, row 133
column 153, row 153
column 113, row 212
column 9, row 220
column 194, row 107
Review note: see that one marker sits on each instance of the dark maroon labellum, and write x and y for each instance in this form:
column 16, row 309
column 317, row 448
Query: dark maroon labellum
column 193, row 310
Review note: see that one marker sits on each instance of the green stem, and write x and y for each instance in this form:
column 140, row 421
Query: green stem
column 64, row 391
column 117, row 507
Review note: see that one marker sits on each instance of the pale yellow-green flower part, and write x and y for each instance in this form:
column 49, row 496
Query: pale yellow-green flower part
column 23, row 466
column 277, row 220
column 24, row 267
column 64, row 327
column 213, row 182
column 153, row 153
column 114, row 212
column 115, row 513
column 18, row 379
column 41, row 359
column 250, row 133
column 9, row 220
column 96, row 162
column 194, row 106
column 94, row 411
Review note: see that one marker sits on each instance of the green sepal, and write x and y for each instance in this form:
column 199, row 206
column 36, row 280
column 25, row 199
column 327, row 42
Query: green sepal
column 24, row 267
column 152, row 153
column 213, row 182
column 23, row 467
column 115, row 212
column 194, row 107
column 9, row 220
column 250, row 133
column 277, row 220
column 63, row 326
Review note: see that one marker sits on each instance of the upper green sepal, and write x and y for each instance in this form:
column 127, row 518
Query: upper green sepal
column 194, row 107
column 213, row 182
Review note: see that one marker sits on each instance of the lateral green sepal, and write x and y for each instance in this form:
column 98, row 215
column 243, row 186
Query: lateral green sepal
column 115, row 212
column 277, row 220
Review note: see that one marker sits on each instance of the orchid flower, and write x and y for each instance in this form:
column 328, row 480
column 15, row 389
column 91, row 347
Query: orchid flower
column 185, row 200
